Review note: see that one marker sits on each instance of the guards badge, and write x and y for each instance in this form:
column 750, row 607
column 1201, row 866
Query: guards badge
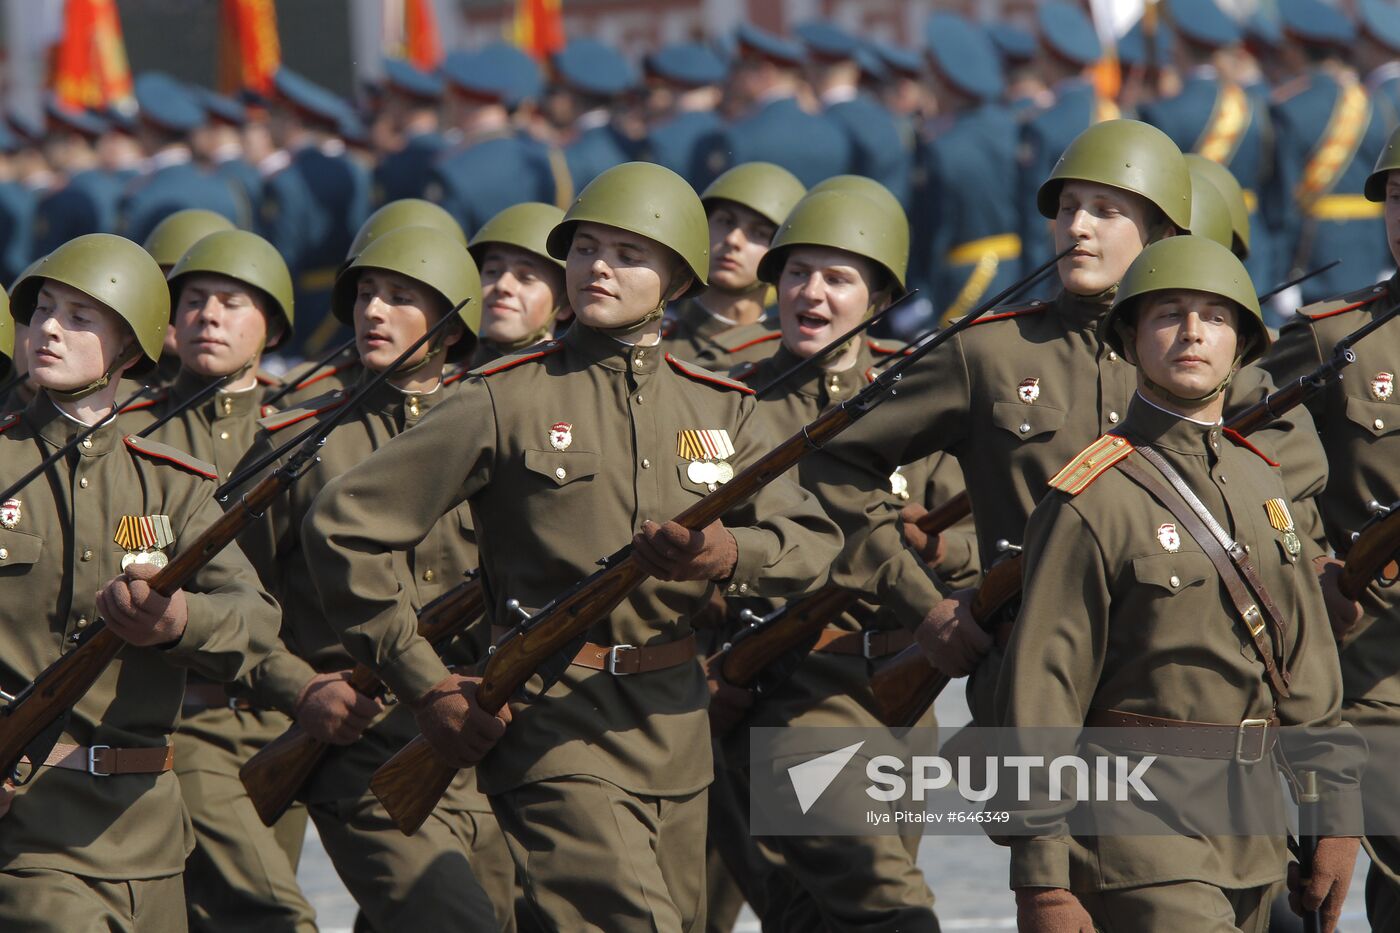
column 1168, row 537
column 144, row 537
column 1029, row 390
column 1382, row 385
column 561, row 435
column 9, row 513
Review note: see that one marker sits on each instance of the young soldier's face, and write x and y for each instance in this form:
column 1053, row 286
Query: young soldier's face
column 1108, row 228
column 822, row 294
column 739, row 239
column 520, row 293
column 391, row 312
column 616, row 278
column 1392, row 214
column 73, row 340
column 1186, row 341
column 220, row 325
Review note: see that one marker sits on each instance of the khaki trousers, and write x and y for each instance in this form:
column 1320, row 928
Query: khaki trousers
column 1180, row 906
column 40, row 900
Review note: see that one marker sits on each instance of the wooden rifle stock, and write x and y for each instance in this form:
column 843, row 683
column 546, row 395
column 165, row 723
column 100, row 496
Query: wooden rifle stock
column 276, row 774
column 939, row 519
column 1372, row 555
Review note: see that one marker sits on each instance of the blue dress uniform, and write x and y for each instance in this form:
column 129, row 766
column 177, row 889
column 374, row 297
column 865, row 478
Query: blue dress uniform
column 173, row 181
column 965, row 225
column 1066, row 33
column 592, row 69
column 1328, row 136
column 16, row 216
column 692, row 143
column 1016, row 49
column 403, row 174
column 1220, row 120
column 88, row 202
column 232, row 166
column 1381, row 23
column 876, row 150
column 778, row 130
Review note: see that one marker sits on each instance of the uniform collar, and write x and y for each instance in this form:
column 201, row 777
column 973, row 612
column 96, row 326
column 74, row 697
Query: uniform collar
column 610, row 352
column 1152, row 424
column 1083, row 311
column 406, row 408
column 701, row 320
column 826, row 388
column 224, row 404
column 58, row 429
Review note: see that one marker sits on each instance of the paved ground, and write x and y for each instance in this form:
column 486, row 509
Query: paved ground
column 967, row 873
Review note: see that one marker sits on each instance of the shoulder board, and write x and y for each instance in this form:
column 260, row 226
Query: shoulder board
column 163, row 453
column 275, row 421
column 699, row 374
column 887, row 347
column 151, row 402
column 1090, row 463
column 7, row 422
column 456, row 376
column 741, row 338
column 325, row 372
column 539, row 351
column 1012, row 311
column 745, row 371
column 1240, row 441
column 266, row 379
column 1360, row 298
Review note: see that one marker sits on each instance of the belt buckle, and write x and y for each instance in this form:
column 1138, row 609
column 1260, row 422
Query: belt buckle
column 92, row 760
column 1245, row 724
column 1255, row 621
column 865, row 646
column 612, row 659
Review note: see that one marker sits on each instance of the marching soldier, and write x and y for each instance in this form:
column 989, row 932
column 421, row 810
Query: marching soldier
column 452, row 871
column 744, row 207
column 600, row 786
column 1377, row 52
column 1210, row 215
column 168, row 241
column 1225, row 183
column 690, row 138
column 1128, row 622
column 411, row 99
column 87, row 200
column 98, row 836
column 594, row 77
column 219, row 144
column 21, row 390
column 522, row 285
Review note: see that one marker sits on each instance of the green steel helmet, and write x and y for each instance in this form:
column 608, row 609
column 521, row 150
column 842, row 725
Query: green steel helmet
column 1210, row 216
column 648, row 200
column 405, row 212
column 246, row 257
column 1229, row 187
column 525, row 226
column 426, row 255
column 1125, row 154
column 7, row 328
column 1199, row 264
column 767, row 189
column 859, row 184
column 847, row 221
column 170, row 238
column 111, row 270
column 1388, row 162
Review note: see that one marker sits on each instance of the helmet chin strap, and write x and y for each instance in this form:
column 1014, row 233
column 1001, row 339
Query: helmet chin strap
column 437, row 345
column 1210, row 396
column 627, row 330
column 97, row 385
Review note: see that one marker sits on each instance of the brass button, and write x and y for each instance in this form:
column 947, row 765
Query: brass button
column 559, row 472
column 82, row 622
column 1379, row 424
column 223, row 435
column 1175, row 580
column 1024, row 427
column 87, row 553
column 646, row 464
column 1118, row 442
column 83, row 482
column 87, row 442
column 1113, row 417
column 1222, row 478
column 639, row 400
column 1113, row 357
column 743, row 587
column 428, row 575
column 414, row 407
column 4, row 553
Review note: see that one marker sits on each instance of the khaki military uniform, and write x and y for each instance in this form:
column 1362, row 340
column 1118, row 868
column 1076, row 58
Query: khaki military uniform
column 562, row 452
column 1013, row 398
column 79, row 852
column 732, row 346
column 453, row 870
column 1358, row 416
column 1119, row 616
column 312, row 381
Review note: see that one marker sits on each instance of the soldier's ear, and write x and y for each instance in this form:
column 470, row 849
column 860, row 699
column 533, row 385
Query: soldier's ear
column 679, row 284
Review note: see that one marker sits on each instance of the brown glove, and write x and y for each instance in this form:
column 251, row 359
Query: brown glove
column 138, row 614
column 674, row 552
column 332, row 711
column 1051, row 910
column 951, row 638
column 458, row 729
column 7, row 796
column 931, row 549
column 728, row 703
column 1326, row 889
column 1342, row 612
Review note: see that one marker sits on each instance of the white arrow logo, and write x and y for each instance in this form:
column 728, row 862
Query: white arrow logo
column 811, row 778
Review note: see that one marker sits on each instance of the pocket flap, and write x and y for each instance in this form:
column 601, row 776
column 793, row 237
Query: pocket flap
column 1380, row 418
column 1027, row 421
column 16, row 547
column 562, row 467
column 1173, row 573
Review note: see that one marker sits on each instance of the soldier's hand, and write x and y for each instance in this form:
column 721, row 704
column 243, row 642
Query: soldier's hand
column 138, row 614
column 728, row 703
column 931, row 549
column 330, row 710
column 458, row 729
column 952, row 640
column 674, row 552
column 7, row 796
column 1343, row 613
column 1051, row 910
column 1326, row 889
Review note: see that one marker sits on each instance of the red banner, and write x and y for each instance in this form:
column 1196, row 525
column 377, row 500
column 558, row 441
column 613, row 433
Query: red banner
column 539, row 27
column 249, row 51
column 422, row 46
column 90, row 67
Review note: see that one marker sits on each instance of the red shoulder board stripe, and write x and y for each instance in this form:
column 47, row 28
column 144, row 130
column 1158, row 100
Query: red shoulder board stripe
column 554, row 346
column 170, row 455
column 1035, row 307
column 700, row 375
column 1091, row 463
column 9, row 422
column 317, row 375
column 297, row 415
column 456, row 377
column 1342, row 310
column 1240, row 441
column 145, row 403
column 877, row 347
column 751, row 343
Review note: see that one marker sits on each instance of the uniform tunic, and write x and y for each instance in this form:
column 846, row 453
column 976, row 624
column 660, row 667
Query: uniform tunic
column 693, row 333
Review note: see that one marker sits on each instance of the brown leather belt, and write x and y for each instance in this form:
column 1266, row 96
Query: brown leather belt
column 200, row 697
column 631, row 659
column 104, row 760
column 1250, row 741
column 869, row 644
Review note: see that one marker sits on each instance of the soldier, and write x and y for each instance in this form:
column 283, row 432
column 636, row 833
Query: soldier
column 400, row 285
column 1228, row 186
column 744, row 207
column 522, row 285
column 219, row 144
column 87, row 200
column 167, row 242
column 411, row 99
column 966, row 222
column 594, row 77
column 1210, row 216
column 1357, row 425
column 19, row 390
column 1377, row 52
column 601, row 794
column 1026, row 92
column 690, row 138
column 1116, row 587
column 99, row 836
column 16, row 209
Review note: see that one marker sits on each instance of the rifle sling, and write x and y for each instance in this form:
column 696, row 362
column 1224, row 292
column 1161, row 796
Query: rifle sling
column 1231, row 562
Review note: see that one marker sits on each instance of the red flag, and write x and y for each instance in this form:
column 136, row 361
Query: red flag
column 90, row 69
column 249, row 51
column 422, row 47
column 539, row 27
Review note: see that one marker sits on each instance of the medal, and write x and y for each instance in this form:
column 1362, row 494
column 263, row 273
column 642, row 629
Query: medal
column 899, row 484
column 1281, row 520
column 143, row 537
column 708, row 451
column 1029, row 390
column 10, row 513
column 156, row 559
column 1168, row 537
column 561, row 435
column 1382, row 385
column 726, row 472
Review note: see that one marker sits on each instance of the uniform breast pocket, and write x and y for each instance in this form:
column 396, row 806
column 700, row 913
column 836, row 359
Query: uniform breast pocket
column 1027, row 421
column 703, row 477
column 18, row 549
column 1376, row 418
column 561, row 468
column 1169, row 574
